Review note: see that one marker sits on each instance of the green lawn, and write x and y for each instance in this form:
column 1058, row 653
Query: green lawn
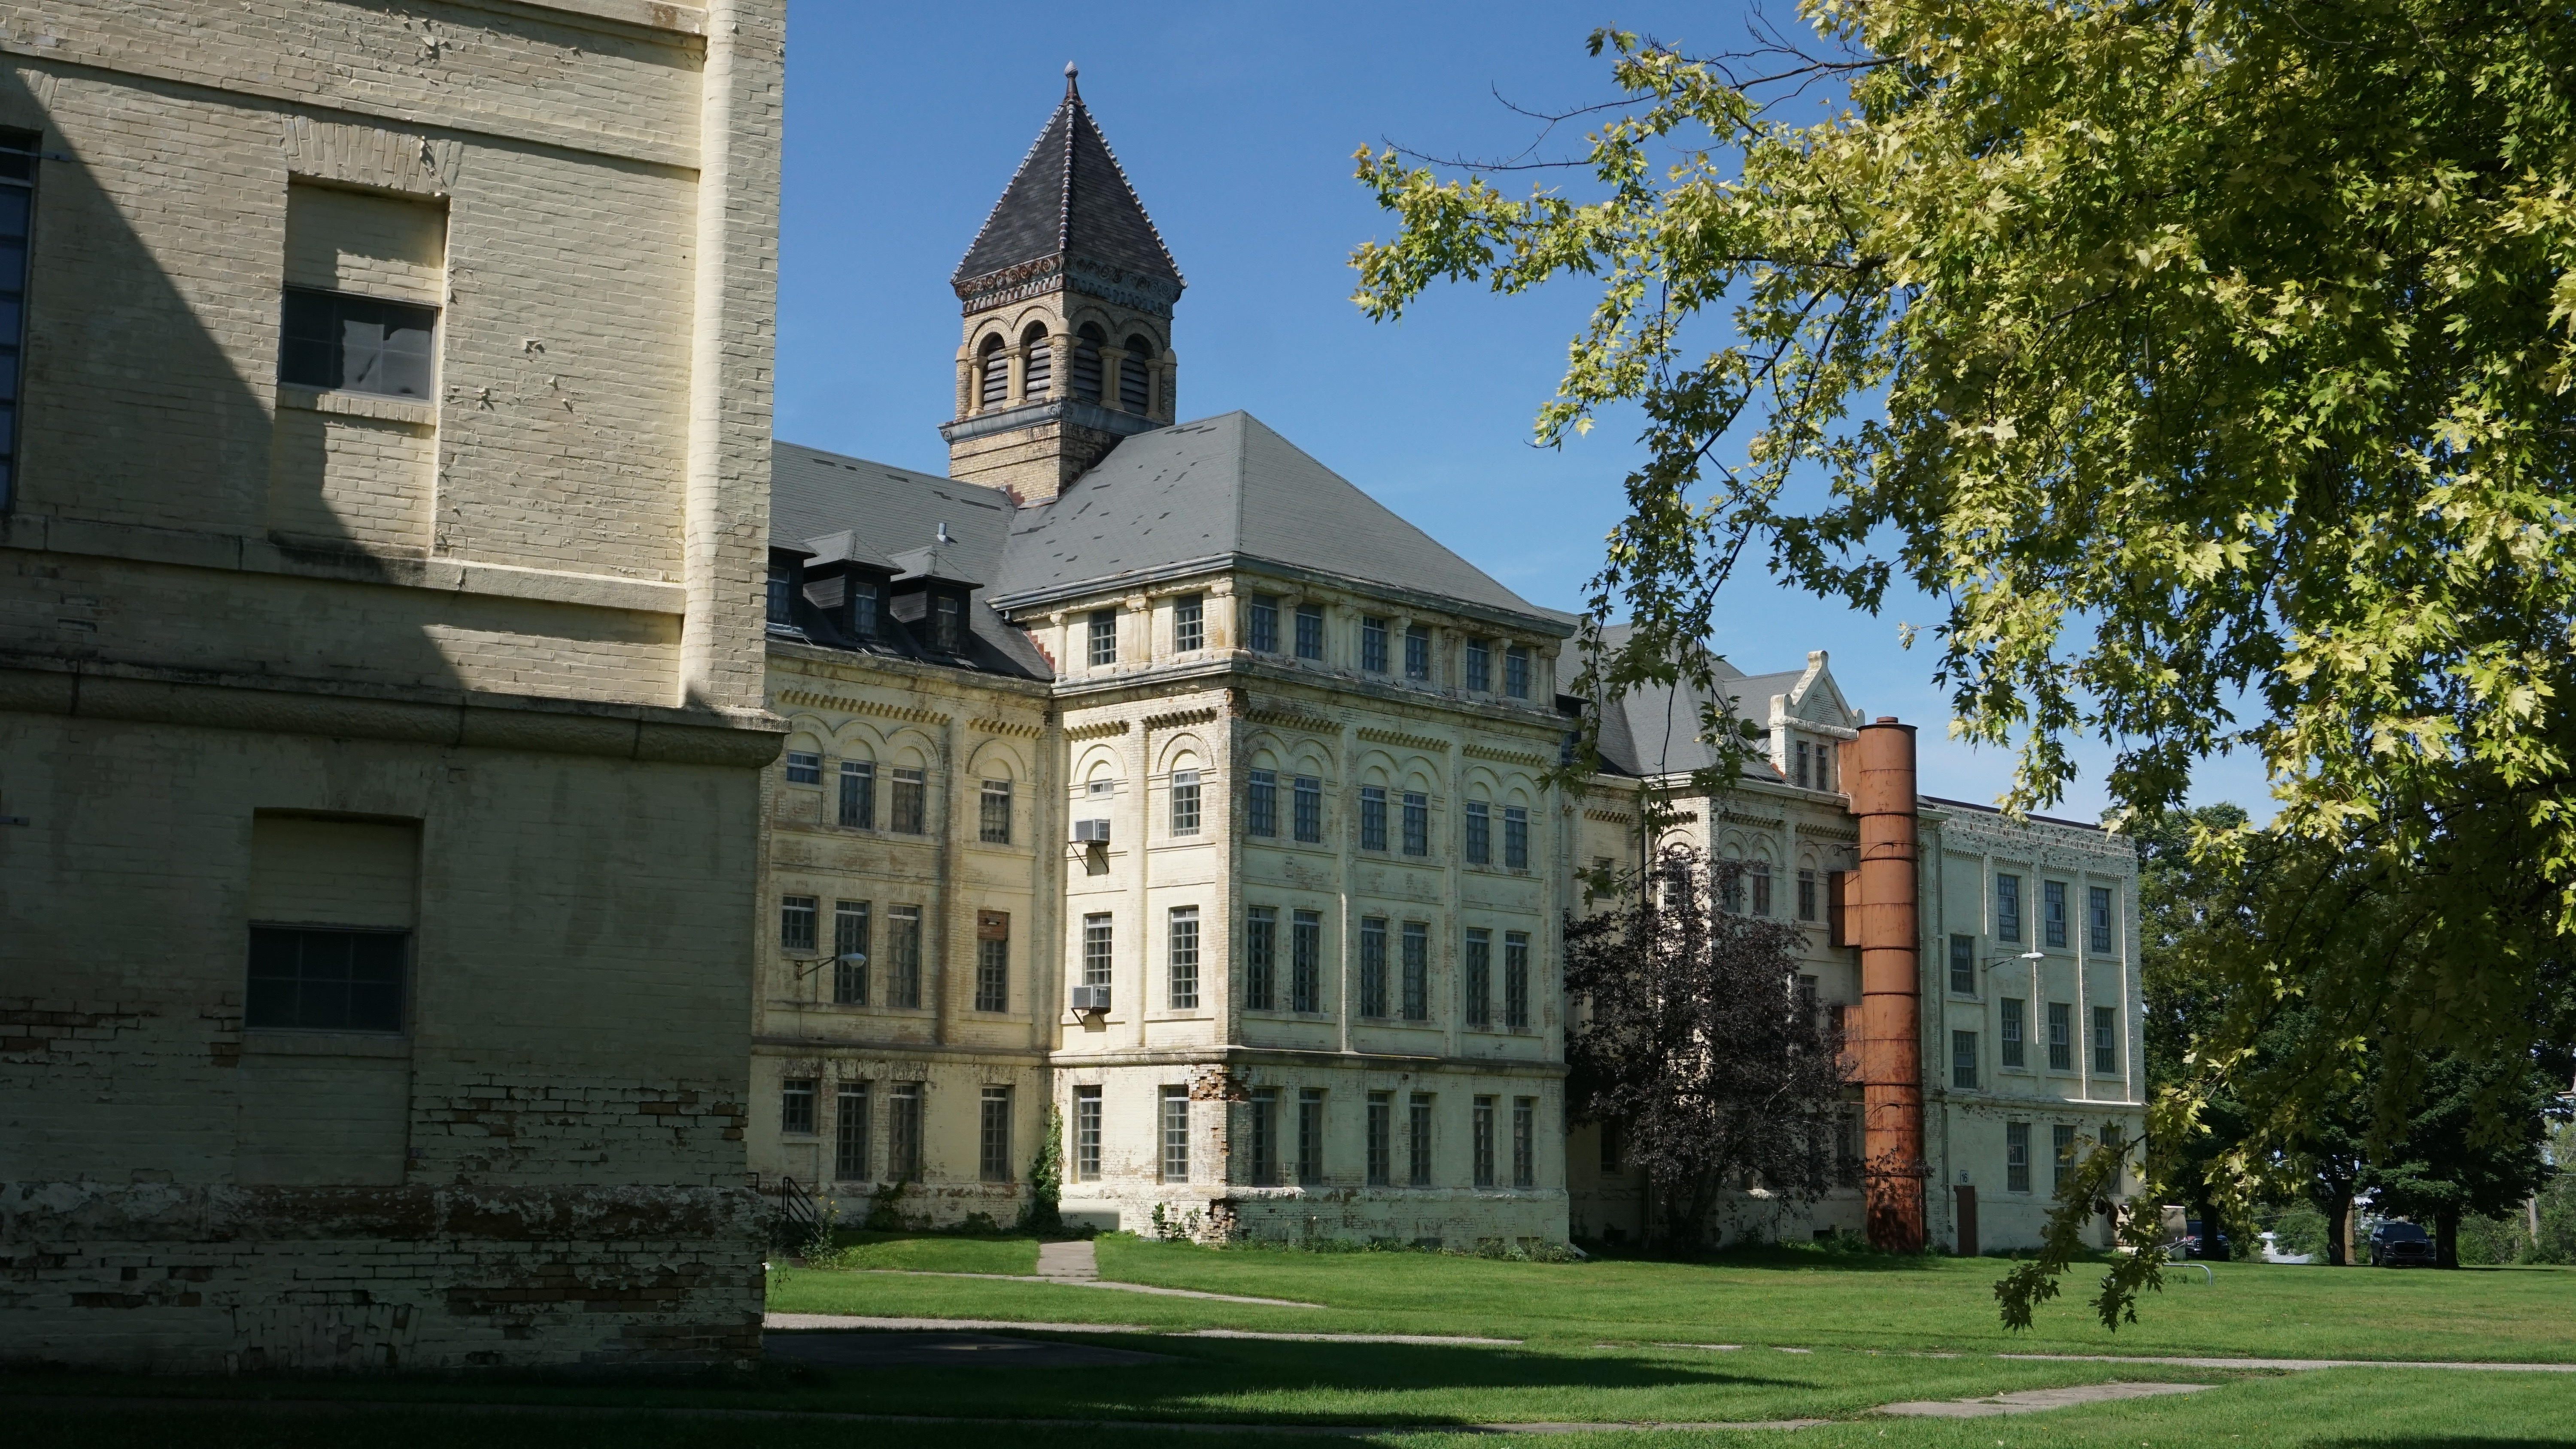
column 926, row 1253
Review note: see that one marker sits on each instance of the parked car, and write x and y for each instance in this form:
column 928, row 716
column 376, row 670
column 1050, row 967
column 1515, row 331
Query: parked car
column 2395, row 1244
column 2197, row 1243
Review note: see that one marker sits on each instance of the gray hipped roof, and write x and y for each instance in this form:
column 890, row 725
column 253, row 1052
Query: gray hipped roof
column 1069, row 198
column 1223, row 487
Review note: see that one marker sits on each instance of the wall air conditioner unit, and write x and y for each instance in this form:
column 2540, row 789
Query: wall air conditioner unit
column 1091, row 832
column 1090, row 998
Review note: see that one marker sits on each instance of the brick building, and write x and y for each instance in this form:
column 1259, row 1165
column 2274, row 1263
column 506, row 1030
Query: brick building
column 383, row 485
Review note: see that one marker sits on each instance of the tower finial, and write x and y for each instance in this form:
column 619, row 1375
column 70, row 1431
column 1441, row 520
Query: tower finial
column 1070, row 71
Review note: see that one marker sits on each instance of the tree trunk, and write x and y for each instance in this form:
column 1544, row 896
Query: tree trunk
column 2446, row 1238
column 2338, row 1223
column 2210, row 1228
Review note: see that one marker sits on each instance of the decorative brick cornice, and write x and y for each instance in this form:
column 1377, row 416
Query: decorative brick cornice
column 1007, row 727
column 1180, row 717
column 1508, row 757
column 815, row 699
column 1611, row 817
column 1288, row 720
column 1404, row 741
column 1096, row 730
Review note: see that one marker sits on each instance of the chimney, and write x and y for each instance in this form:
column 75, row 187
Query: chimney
column 1879, row 774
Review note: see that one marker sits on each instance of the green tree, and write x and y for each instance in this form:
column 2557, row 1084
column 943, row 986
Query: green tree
column 2199, row 356
column 2186, row 900
column 2460, row 1159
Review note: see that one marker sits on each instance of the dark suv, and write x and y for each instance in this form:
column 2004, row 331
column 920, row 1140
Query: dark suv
column 2393, row 1244
column 2198, row 1242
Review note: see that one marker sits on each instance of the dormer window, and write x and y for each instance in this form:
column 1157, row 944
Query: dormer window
column 782, row 594
column 948, row 623
column 863, row 608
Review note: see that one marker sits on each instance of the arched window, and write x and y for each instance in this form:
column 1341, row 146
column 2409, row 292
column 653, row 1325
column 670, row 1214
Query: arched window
column 1086, row 361
column 993, row 387
column 1041, row 370
column 1135, row 393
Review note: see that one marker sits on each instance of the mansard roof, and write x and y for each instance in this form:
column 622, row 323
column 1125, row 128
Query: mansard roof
column 1070, row 198
column 1227, row 489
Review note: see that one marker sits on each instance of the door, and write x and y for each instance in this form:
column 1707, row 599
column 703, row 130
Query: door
column 1967, row 1221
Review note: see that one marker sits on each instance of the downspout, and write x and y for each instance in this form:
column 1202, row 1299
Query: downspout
column 1880, row 778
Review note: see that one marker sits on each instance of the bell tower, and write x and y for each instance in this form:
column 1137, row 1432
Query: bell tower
column 1068, row 294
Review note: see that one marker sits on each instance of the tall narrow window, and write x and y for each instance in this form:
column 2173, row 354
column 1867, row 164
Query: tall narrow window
column 1373, row 644
column 948, row 623
column 993, row 813
column 863, row 609
column 1963, row 1060
column 1086, row 1134
column 1310, row 1135
column 993, row 387
column 2061, row 1153
column 1824, row 768
column 1417, row 1140
column 1417, row 653
column 1135, row 382
column 1310, row 631
column 1261, row 803
column 2106, row 1041
column 993, row 1137
column 1516, row 980
column 1760, row 874
column 1097, row 938
column 2052, row 912
column 903, row 1132
column 850, row 938
column 1261, row 958
column 1261, row 624
column 2097, row 922
column 1372, row 817
column 992, row 961
column 779, row 606
column 1481, row 1137
column 1963, row 965
column 2017, row 1157
column 1184, row 958
column 850, row 1133
column 903, row 944
column 1417, row 823
column 1189, row 623
column 1373, row 966
column 18, row 151
column 859, row 794
column 1104, row 637
column 1381, row 1132
column 796, row 924
column 1086, row 361
column 1516, row 671
column 1799, row 775
column 1039, row 377
column 1265, row 1137
column 1478, row 985
column 1516, row 837
column 796, row 1106
column 1185, row 802
column 1310, row 809
column 2061, row 1033
column 911, row 802
column 1480, row 833
column 2007, row 908
column 1480, row 664
column 1806, row 895
column 1417, row 971
column 1306, row 961
column 804, row 767
column 1524, row 1141
column 2010, row 1031
column 1176, row 1134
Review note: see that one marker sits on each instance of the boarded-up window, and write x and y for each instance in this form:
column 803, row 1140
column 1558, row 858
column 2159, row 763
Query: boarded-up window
column 332, row 907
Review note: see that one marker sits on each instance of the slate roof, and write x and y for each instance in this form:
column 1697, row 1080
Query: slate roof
column 1069, row 198
column 1229, row 487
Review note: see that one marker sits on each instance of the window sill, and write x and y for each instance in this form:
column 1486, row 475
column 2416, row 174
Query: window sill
column 295, row 1042
column 418, row 412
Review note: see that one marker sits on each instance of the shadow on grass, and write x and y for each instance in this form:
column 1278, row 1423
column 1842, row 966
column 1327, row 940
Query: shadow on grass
column 1833, row 1258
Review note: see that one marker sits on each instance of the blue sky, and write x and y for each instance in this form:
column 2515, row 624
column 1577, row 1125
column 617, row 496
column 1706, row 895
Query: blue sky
column 1236, row 122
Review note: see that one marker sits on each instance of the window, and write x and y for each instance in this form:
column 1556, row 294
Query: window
column 1963, row 1060
column 911, row 802
column 1135, row 385
column 1417, row 1140
column 2061, row 1032
column 1086, row 1134
column 2052, row 912
column 1417, row 653
column 850, row 938
column 796, row 924
column 1310, row 631
column 948, row 623
column 1806, row 895
column 859, row 794
column 1373, row 966
column 335, row 341
column 1373, row 644
column 2061, row 1153
column 1265, row 1137
column 993, row 816
column 1515, row 837
column 1516, row 980
column 1184, row 958
column 2097, row 911
column 993, row 1139
column 2017, row 1157
column 1176, row 1134
column 1309, row 794
column 1417, row 971
column 1481, row 1139
column 1480, row 664
column 903, row 1132
column 1261, row 624
column 17, row 216
column 1189, row 623
column 1760, row 871
column 1524, row 1141
column 1261, row 958
column 1963, row 965
column 1847, row 1141
column 1096, row 940
column 1381, row 1129
column 780, row 605
column 1824, row 768
column 863, row 608
column 1730, row 890
column 1310, row 1135
column 1372, row 817
column 1480, row 833
column 2007, row 908
column 1185, row 802
column 305, row 978
column 1417, row 823
column 992, row 961
column 1261, row 803
column 903, row 944
column 1039, row 373
column 1306, row 961
column 1104, row 637
column 994, row 386
column 1086, row 361
column 804, row 768
column 1806, row 989
column 1799, row 775
column 1516, row 671
column 1478, row 987
column 796, row 1106
column 850, row 1133
column 2106, row 1037
column 2012, row 1009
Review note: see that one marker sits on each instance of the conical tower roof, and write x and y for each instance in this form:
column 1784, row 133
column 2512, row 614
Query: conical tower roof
column 1068, row 200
